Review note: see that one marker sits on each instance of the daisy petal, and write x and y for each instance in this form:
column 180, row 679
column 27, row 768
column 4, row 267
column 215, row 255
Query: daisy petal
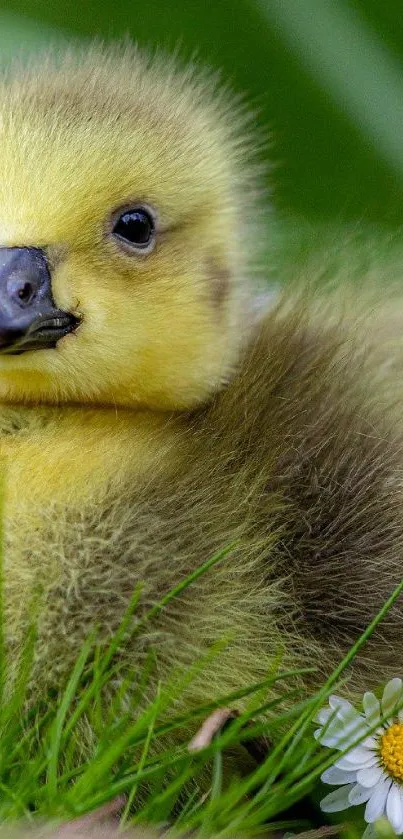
column 336, row 776
column 331, row 739
column 370, row 743
column 372, row 708
column 344, row 763
column 339, row 702
column 394, row 808
column 344, row 710
column 353, row 730
column 391, row 696
column 323, row 716
column 359, row 794
column 336, row 800
column 354, row 724
column 340, row 729
column 376, row 805
column 370, row 776
column 359, row 756
column 335, row 736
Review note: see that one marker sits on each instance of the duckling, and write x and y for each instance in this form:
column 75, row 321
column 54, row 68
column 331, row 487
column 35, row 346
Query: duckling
column 151, row 415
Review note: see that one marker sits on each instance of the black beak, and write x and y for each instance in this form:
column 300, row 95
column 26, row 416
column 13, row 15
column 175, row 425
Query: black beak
column 29, row 319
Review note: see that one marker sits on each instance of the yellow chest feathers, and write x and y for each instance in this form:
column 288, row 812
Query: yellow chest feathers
column 70, row 455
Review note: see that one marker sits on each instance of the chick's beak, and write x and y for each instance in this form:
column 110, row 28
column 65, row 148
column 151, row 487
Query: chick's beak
column 29, row 318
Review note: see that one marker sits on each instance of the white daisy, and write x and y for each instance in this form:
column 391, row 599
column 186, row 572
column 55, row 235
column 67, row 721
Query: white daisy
column 372, row 772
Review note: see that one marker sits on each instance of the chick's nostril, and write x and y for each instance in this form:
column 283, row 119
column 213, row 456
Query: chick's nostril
column 25, row 293
column 21, row 290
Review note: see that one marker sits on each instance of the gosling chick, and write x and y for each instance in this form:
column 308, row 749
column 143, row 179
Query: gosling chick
column 149, row 420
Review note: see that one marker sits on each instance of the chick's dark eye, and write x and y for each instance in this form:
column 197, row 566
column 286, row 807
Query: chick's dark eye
column 135, row 227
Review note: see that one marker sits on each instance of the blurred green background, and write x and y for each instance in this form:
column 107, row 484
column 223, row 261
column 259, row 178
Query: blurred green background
column 326, row 78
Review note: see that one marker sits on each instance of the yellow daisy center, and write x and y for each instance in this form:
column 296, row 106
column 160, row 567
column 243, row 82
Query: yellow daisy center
column 391, row 749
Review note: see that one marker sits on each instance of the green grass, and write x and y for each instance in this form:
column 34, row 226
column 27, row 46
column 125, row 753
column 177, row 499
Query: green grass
column 96, row 740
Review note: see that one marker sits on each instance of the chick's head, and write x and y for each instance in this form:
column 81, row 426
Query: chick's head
column 128, row 181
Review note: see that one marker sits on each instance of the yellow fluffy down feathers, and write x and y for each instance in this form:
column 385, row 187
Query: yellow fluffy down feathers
column 151, row 415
